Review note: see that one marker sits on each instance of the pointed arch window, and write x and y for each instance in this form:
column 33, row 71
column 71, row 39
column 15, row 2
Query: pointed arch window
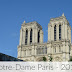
column 31, row 36
column 38, row 36
column 59, row 32
column 59, row 49
column 55, row 33
column 55, row 50
column 26, row 37
column 24, row 52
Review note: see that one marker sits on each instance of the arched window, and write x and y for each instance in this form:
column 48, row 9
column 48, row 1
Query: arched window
column 55, row 50
column 42, row 50
column 31, row 36
column 38, row 36
column 59, row 32
column 59, row 49
column 55, row 33
column 26, row 37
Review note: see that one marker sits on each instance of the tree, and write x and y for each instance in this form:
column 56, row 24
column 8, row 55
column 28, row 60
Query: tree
column 70, row 59
column 50, row 58
column 44, row 59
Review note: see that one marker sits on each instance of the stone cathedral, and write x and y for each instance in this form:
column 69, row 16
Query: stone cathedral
column 58, row 47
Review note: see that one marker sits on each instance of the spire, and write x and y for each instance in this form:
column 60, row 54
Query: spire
column 24, row 21
column 63, row 14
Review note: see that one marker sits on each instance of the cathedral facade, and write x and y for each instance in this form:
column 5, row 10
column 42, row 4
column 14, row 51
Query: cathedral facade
column 58, row 47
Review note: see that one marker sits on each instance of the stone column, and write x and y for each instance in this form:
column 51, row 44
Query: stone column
column 63, row 31
column 67, row 48
column 66, row 31
column 57, row 32
column 64, row 56
column 49, row 32
column 64, row 52
column 35, row 51
column 41, row 36
column 49, row 51
column 57, row 49
column 64, row 47
column 23, row 41
column 19, row 51
column 35, row 36
column 20, row 37
column 52, row 33
column 22, row 54
column 69, row 34
column 68, row 56
column 28, row 36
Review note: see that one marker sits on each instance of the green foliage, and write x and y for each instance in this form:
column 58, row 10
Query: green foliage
column 44, row 59
column 70, row 59
column 50, row 58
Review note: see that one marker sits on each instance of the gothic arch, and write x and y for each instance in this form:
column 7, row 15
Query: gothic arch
column 40, row 59
column 31, row 31
column 54, row 49
column 26, row 36
column 55, row 33
column 57, row 59
column 60, row 32
column 38, row 36
column 59, row 48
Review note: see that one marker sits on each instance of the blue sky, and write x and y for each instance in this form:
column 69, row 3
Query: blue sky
column 14, row 12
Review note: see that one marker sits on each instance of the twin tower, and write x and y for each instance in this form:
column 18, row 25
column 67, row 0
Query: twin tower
column 32, row 48
column 31, row 33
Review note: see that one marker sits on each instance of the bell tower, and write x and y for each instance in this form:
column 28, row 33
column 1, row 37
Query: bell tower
column 30, row 34
column 59, row 29
column 59, row 36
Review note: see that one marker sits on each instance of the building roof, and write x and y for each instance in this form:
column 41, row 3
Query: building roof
column 32, row 23
column 4, row 57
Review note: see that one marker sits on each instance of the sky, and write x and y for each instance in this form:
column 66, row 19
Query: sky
column 14, row 12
